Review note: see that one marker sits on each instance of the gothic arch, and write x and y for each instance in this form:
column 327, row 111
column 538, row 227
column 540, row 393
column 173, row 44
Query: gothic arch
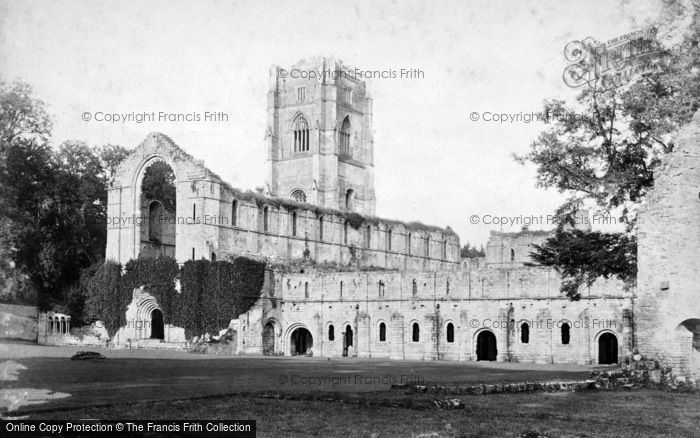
column 137, row 182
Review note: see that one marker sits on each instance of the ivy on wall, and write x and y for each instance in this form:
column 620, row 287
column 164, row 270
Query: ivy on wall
column 106, row 299
column 211, row 293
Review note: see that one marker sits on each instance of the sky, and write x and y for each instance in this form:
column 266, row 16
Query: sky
column 433, row 163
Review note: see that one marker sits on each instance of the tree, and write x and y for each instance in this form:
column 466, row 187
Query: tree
column 608, row 157
column 53, row 203
column 469, row 251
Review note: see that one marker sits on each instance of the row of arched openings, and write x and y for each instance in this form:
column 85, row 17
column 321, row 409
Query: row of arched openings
column 58, row 325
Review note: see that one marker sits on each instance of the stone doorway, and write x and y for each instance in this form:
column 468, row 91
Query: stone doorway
column 301, row 342
column 486, row 348
column 607, row 349
column 268, row 338
column 347, row 340
column 157, row 326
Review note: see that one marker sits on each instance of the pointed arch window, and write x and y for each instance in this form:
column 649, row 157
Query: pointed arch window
column 450, row 332
column 234, row 213
column 382, row 332
column 345, row 129
column 416, row 332
column 301, row 134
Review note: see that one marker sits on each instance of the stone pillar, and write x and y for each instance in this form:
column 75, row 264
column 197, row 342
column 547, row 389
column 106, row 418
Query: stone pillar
column 397, row 336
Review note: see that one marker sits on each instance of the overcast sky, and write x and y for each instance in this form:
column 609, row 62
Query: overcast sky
column 432, row 163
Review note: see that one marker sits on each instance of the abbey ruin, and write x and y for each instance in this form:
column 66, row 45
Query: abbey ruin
column 360, row 286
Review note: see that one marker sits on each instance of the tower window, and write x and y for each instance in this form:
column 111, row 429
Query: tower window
column 415, row 287
column 347, row 96
column 381, row 288
column 301, row 135
column 301, row 93
column 299, row 195
column 345, row 129
column 349, row 198
column 444, row 249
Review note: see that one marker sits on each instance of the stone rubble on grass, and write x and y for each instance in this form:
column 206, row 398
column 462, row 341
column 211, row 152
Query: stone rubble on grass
column 88, row 355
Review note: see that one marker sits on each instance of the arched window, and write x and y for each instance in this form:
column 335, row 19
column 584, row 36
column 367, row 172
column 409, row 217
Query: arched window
column 234, row 213
column 512, row 255
column 381, row 288
column 194, row 212
column 294, row 223
column 450, row 332
column 213, row 257
column 408, row 243
column 368, row 236
column 525, row 333
column 565, row 333
column 299, row 195
column 416, row 332
column 345, row 129
column 301, row 134
column 320, row 228
column 415, row 287
column 331, row 333
column 341, row 289
column 306, row 289
column 349, row 198
column 447, row 287
column 444, row 249
column 427, row 246
column 388, row 239
column 266, row 219
column 382, row 332
column 345, row 232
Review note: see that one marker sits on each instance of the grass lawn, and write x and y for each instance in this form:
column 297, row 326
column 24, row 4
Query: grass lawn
column 138, row 384
column 576, row 414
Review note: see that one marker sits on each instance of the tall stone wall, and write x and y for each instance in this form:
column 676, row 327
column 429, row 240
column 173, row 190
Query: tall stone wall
column 667, row 312
column 471, row 301
column 216, row 220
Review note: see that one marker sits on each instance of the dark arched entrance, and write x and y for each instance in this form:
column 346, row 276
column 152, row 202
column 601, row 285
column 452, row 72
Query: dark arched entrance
column 268, row 338
column 157, row 328
column 301, row 342
column 486, row 346
column 347, row 340
column 607, row 349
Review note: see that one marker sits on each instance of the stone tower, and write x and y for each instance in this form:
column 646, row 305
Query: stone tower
column 320, row 147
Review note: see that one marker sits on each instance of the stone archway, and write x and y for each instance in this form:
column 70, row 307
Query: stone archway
column 300, row 342
column 607, row 349
column 486, row 346
column 268, row 338
column 157, row 326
